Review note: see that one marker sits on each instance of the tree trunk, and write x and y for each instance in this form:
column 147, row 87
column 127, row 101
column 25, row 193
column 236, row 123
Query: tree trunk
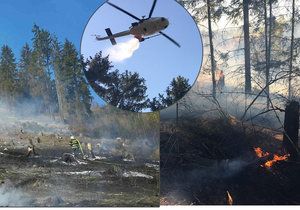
column 291, row 129
column 248, row 86
column 266, row 51
column 60, row 92
column 269, row 54
column 212, row 56
column 177, row 113
column 292, row 52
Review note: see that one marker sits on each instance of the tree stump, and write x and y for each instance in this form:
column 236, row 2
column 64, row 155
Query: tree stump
column 291, row 128
column 69, row 158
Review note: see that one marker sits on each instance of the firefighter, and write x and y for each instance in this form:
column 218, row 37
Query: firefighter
column 31, row 149
column 76, row 146
column 120, row 146
column 90, row 149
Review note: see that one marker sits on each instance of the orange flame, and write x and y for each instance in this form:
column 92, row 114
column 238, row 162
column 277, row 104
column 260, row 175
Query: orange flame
column 276, row 158
column 260, row 153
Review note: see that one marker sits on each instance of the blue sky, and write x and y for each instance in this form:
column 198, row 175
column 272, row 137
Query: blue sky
column 64, row 18
column 157, row 60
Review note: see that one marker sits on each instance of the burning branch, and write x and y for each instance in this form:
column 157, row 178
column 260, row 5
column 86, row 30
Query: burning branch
column 260, row 153
column 229, row 198
column 276, row 158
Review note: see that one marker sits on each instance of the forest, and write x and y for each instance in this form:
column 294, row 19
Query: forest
column 44, row 100
column 235, row 135
column 49, row 80
column 48, row 74
column 127, row 90
column 52, row 76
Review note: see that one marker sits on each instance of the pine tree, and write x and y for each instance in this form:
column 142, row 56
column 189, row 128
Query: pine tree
column 82, row 92
column 246, row 26
column 100, row 70
column 241, row 10
column 8, row 76
column 123, row 90
column 290, row 94
column 211, row 45
column 56, row 60
column 210, row 11
column 132, row 94
column 41, row 55
column 77, row 102
column 157, row 103
column 24, row 72
column 178, row 87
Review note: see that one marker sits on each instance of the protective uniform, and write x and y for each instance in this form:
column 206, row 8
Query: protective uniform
column 76, row 146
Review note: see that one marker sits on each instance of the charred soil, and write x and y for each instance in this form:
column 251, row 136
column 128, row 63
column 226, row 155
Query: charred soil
column 214, row 162
column 45, row 179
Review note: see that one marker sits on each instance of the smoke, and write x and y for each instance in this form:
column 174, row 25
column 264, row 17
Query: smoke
column 198, row 104
column 11, row 196
column 24, row 116
column 185, row 182
column 123, row 50
column 297, row 31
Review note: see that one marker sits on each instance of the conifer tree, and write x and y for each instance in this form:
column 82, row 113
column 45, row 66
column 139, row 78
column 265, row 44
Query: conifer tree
column 125, row 90
column 75, row 89
column 178, row 87
column 8, row 76
column 24, row 74
column 41, row 56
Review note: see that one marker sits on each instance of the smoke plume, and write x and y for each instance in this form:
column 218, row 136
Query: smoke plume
column 10, row 196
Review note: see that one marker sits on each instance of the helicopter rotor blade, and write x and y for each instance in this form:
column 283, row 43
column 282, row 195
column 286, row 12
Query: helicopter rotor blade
column 169, row 38
column 152, row 8
column 124, row 11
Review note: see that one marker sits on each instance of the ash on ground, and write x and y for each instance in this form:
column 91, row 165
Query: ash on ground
column 39, row 169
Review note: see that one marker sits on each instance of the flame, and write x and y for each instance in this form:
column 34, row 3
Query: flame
column 229, row 199
column 276, row 158
column 260, row 153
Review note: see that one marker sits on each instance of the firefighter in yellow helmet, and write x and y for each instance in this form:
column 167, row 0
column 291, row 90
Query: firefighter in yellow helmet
column 76, row 146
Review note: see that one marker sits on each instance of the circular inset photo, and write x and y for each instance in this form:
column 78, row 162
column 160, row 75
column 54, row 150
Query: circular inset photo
column 141, row 55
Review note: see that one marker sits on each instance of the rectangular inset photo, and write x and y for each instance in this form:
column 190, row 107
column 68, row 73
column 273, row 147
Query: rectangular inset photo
column 234, row 138
column 60, row 144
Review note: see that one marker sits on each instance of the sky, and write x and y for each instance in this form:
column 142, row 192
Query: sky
column 66, row 19
column 157, row 60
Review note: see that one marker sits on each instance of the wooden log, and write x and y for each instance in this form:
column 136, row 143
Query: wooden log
column 291, row 129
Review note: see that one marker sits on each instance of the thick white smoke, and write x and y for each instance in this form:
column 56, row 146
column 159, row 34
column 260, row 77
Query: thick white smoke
column 123, row 50
column 12, row 197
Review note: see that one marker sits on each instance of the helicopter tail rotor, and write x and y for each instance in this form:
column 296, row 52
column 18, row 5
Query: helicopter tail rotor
column 110, row 35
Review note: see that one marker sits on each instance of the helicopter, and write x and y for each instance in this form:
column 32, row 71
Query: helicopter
column 145, row 28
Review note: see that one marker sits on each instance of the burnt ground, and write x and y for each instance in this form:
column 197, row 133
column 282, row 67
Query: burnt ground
column 46, row 180
column 202, row 161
